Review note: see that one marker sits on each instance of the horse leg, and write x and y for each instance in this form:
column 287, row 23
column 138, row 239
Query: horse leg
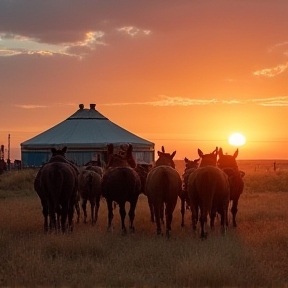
column 132, row 214
column 64, row 214
column 123, row 215
column 152, row 212
column 162, row 213
column 45, row 214
column 97, row 206
column 157, row 213
column 212, row 218
column 169, row 216
column 203, row 221
column 234, row 211
column 92, row 205
column 110, row 213
column 194, row 216
column 182, row 211
column 77, row 207
column 84, row 203
column 70, row 216
column 224, row 219
column 52, row 217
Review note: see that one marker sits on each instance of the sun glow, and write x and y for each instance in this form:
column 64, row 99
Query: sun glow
column 236, row 139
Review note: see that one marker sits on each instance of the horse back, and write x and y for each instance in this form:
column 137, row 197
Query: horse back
column 58, row 181
column 163, row 183
column 207, row 185
column 89, row 184
column 120, row 184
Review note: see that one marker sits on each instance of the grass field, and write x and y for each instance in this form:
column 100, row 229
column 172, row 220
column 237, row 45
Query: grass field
column 253, row 254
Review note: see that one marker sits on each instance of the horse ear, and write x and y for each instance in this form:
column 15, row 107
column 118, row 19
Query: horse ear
column 163, row 149
column 236, row 153
column 130, row 149
column 64, row 149
column 159, row 153
column 173, row 154
column 186, row 160
column 200, row 153
column 220, row 152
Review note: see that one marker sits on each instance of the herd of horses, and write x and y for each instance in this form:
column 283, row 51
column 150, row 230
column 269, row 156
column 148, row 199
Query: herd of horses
column 206, row 187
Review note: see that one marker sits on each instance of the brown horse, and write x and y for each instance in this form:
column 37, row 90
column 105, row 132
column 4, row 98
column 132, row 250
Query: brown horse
column 229, row 165
column 163, row 185
column 190, row 166
column 56, row 185
column 208, row 190
column 89, row 188
column 121, row 184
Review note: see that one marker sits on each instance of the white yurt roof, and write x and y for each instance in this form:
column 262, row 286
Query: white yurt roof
column 86, row 128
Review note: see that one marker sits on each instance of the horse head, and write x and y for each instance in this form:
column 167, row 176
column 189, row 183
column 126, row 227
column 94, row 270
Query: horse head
column 226, row 160
column 165, row 158
column 59, row 152
column 191, row 163
column 124, row 157
column 208, row 159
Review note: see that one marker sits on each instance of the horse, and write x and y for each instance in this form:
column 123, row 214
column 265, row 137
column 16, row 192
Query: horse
column 229, row 165
column 89, row 188
column 209, row 192
column 163, row 185
column 56, row 184
column 190, row 166
column 121, row 184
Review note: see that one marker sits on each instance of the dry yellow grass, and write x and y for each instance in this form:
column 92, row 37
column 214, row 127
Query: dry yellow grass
column 253, row 254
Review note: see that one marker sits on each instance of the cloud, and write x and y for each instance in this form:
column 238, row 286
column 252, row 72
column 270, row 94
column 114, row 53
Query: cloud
column 11, row 45
column 179, row 101
column 279, row 48
column 132, row 31
column 271, row 72
column 25, row 106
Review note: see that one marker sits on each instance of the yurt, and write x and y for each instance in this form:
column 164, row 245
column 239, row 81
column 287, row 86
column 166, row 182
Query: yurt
column 86, row 133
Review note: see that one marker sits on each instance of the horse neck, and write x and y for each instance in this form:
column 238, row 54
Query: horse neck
column 229, row 164
column 117, row 161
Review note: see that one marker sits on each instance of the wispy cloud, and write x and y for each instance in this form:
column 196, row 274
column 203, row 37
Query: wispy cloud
column 271, row 72
column 165, row 101
column 26, row 106
column 179, row 101
column 279, row 48
column 11, row 45
column 35, row 106
column 132, row 31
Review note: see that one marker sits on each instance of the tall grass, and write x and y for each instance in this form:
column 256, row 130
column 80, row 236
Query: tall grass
column 253, row 254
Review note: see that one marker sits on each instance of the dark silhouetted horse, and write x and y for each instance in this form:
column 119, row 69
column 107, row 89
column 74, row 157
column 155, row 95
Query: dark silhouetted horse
column 163, row 185
column 121, row 184
column 208, row 190
column 229, row 165
column 56, row 184
column 89, row 188
column 190, row 166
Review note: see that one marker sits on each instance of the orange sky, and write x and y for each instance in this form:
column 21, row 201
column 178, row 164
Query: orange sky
column 183, row 74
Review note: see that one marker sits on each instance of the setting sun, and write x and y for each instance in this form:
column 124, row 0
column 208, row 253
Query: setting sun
column 237, row 139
